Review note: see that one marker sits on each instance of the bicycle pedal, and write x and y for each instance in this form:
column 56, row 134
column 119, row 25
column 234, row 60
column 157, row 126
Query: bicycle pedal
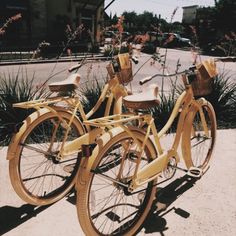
column 195, row 172
column 69, row 168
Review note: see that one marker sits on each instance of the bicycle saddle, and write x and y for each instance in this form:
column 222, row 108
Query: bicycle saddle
column 143, row 100
column 69, row 84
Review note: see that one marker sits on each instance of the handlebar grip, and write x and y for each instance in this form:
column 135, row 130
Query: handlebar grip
column 145, row 80
column 135, row 59
column 75, row 67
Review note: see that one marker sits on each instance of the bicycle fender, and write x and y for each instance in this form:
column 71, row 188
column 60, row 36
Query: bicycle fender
column 88, row 163
column 12, row 148
column 187, row 128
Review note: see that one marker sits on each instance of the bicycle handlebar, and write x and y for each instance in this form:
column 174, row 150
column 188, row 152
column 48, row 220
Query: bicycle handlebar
column 148, row 78
column 190, row 70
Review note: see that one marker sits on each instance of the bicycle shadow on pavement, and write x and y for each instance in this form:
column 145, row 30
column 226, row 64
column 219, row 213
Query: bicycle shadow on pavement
column 156, row 222
column 11, row 217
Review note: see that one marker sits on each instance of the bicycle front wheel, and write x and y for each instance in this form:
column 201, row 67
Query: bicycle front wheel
column 200, row 142
column 104, row 204
column 37, row 176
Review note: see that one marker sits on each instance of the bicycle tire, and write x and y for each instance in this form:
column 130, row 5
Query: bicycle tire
column 199, row 147
column 110, row 218
column 37, row 177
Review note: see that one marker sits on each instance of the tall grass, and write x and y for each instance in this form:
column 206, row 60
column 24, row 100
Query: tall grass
column 223, row 99
column 162, row 112
column 90, row 95
column 16, row 88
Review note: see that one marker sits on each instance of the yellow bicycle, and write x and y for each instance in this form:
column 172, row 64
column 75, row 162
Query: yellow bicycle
column 116, row 185
column 44, row 154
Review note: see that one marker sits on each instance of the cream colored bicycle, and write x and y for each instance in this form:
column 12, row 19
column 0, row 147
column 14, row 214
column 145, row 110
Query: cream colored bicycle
column 44, row 154
column 116, row 185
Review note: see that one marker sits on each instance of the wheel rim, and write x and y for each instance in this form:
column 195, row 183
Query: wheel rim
column 112, row 209
column 42, row 175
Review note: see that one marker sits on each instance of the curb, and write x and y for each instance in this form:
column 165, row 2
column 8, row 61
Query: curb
column 62, row 59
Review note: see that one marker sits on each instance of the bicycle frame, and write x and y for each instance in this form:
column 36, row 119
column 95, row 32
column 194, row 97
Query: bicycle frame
column 112, row 90
column 185, row 104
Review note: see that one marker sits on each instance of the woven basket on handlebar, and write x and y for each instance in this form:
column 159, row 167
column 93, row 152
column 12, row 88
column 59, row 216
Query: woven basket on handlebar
column 124, row 74
column 202, row 85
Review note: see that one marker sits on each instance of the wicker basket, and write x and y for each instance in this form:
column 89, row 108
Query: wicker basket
column 202, row 84
column 125, row 74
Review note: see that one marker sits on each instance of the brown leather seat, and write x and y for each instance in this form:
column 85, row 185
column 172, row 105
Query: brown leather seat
column 69, row 84
column 143, row 100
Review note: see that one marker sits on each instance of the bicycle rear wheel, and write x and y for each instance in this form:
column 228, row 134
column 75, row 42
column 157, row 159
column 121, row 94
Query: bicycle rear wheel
column 36, row 175
column 201, row 145
column 104, row 204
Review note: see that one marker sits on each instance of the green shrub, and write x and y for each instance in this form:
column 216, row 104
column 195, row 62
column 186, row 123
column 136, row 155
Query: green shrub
column 90, row 95
column 13, row 89
column 162, row 112
column 223, row 99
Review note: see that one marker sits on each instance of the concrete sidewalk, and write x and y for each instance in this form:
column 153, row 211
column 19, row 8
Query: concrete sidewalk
column 202, row 208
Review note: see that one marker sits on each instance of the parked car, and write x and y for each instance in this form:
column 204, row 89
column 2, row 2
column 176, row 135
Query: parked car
column 172, row 40
column 109, row 35
column 154, row 38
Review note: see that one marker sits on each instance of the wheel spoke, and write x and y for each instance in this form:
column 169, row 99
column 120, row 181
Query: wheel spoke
column 201, row 144
column 112, row 209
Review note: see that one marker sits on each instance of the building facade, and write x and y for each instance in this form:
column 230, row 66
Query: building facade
column 189, row 14
column 48, row 19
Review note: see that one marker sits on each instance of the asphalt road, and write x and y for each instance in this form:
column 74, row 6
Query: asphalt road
column 206, row 207
column 59, row 71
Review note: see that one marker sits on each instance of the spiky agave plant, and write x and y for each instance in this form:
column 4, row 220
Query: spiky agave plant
column 223, row 99
column 162, row 112
column 16, row 88
column 90, row 95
